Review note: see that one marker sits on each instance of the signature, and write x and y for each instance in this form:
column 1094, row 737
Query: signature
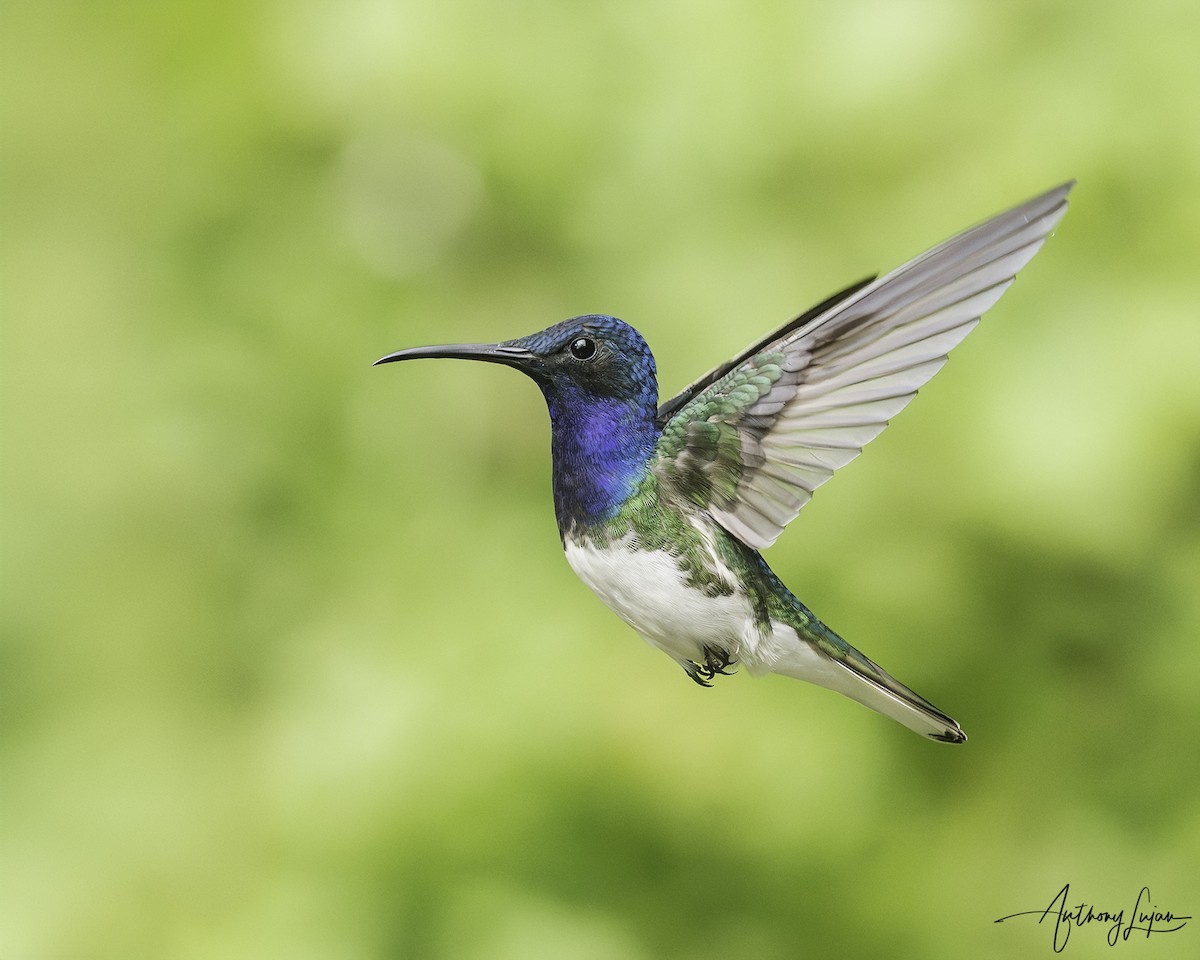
column 1145, row 917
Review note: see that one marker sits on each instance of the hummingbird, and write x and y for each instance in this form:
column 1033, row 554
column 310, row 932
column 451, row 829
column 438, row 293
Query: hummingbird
column 663, row 508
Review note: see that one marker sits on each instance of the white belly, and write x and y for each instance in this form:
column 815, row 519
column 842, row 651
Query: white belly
column 647, row 590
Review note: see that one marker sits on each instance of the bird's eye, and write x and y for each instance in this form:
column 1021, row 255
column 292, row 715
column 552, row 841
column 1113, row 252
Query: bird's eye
column 583, row 348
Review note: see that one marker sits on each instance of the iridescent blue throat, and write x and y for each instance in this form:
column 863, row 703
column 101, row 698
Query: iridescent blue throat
column 601, row 450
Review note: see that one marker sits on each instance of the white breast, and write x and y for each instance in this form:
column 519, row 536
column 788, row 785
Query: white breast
column 647, row 590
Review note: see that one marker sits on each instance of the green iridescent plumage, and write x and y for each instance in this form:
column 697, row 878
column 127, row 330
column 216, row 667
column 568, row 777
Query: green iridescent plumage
column 707, row 445
column 648, row 520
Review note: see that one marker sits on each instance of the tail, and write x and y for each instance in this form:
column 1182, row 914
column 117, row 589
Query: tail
column 818, row 655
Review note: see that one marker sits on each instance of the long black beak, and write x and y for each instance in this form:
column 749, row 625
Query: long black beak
column 505, row 353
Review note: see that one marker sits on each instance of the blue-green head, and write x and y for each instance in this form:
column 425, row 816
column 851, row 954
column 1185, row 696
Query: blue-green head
column 598, row 377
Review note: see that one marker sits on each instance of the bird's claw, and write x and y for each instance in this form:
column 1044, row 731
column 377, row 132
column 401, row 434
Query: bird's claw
column 716, row 662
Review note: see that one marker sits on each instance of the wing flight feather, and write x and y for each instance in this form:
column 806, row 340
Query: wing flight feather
column 753, row 439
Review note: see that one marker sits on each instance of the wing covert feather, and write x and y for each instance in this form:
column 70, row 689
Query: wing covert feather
column 751, row 441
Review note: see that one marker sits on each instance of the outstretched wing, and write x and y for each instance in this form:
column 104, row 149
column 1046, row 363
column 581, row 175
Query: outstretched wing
column 753, row 439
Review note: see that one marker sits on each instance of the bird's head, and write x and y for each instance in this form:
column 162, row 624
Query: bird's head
column 592, row 358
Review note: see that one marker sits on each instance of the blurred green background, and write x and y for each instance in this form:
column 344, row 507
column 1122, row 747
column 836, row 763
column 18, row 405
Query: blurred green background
column 293, row 665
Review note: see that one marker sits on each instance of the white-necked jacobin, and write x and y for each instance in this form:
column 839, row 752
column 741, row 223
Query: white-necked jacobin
column 663, row 508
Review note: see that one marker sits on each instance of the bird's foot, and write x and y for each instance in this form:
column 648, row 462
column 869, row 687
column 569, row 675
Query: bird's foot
column 716, row 662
